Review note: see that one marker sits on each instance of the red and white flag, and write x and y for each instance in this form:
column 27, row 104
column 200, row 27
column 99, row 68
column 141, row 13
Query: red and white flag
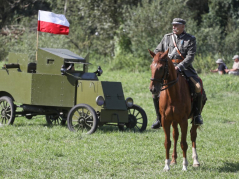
column 52, row 23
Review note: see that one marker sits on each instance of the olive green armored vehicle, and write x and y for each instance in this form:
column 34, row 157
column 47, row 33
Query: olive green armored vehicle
column 52, row 87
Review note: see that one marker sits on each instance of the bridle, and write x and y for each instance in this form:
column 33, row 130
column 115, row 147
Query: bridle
column 165, row 76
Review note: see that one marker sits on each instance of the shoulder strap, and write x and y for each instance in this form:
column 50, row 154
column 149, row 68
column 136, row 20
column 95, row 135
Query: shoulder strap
column 177, row 48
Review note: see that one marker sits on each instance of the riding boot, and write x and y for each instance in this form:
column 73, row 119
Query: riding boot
column 197, row 118
column 157, row 123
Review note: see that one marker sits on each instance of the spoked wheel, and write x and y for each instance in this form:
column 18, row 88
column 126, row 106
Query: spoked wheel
column 82, row 117
column 55, row 119
column 137, row 119
column 7, row 110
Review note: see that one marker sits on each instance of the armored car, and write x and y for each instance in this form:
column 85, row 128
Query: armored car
column 51, row 86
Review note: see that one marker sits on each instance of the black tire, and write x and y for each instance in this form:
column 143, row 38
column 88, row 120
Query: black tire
column 7, row 110
column 82, row 117
column 55, row 120
column 137, row 119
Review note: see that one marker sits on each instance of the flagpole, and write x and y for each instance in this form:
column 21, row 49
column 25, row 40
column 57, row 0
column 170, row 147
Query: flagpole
column 37, row 35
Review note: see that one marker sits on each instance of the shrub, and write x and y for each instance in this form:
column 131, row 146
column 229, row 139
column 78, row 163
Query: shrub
column 129, row 62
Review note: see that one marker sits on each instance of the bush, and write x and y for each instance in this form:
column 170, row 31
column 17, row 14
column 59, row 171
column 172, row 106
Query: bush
column 203, row 64
column 129, row 62
column 3, row 49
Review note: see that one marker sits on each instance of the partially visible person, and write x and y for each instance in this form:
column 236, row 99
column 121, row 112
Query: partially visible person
column 69, row 66
column 235, row 67
column 221, row 67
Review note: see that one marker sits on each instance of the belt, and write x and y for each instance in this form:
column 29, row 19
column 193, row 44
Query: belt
column 177, row 60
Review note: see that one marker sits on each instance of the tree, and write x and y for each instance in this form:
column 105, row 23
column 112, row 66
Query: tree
column 94, row 23
column 147, row 24
column 13, row 11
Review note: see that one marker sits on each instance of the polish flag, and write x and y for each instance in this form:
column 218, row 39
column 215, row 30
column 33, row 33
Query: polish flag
column 52, row 23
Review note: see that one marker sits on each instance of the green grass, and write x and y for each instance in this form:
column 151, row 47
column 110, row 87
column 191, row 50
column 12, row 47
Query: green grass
column 31, row 149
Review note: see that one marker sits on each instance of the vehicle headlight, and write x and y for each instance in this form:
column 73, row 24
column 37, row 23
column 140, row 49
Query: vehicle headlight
column 129, row 102
column 100, row 100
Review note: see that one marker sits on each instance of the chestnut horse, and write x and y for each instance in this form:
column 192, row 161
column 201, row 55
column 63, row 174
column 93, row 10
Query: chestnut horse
column 174, row 106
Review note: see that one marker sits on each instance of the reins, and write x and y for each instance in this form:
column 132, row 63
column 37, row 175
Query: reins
column 171, row 83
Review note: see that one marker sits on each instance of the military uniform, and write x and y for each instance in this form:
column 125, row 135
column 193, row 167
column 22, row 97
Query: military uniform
column 186, row 44
column 182, row 56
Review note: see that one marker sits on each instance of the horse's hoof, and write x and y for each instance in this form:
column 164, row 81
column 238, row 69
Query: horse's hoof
column 196, row 165
column 184, row 169
column 166, row 166
column 173, row 162
column 166, row 169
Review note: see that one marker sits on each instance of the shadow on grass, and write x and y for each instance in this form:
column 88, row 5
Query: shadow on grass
column 103, row 129
column 44, row 125
column 114, row 128
column 229, row 167
column 108, row 128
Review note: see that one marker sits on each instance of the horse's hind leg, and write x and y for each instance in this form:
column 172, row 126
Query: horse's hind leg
column 175, row 138
column 193, row 132
column 184, row 145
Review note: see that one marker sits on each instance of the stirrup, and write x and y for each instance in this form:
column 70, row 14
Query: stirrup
column 197, row 120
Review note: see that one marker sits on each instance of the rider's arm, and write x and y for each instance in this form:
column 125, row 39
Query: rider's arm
column 163, row 45
column 190, row 52
column 214, row 70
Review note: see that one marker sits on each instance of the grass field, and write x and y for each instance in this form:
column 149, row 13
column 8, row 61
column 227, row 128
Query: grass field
column 31, row 149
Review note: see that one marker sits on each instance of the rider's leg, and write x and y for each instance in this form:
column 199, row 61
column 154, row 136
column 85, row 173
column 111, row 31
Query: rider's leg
column 157, row 123
column 197, row 118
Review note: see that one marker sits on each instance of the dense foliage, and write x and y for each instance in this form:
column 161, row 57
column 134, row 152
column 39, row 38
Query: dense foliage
column 121, row 31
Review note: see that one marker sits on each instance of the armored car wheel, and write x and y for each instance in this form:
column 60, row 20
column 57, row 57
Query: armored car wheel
column 55, row 120
column 7, row 110
column 82, row 117
column 137, row 119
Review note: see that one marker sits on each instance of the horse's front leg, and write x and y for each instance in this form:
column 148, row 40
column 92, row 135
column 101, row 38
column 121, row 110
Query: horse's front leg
column 193, row 132
column 175, row 138
column 167, row 144
column 184, row 145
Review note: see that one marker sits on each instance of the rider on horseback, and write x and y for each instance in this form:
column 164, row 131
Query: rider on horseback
column 182, row 48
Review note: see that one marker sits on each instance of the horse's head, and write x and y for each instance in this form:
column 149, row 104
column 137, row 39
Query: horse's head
column 159, row 71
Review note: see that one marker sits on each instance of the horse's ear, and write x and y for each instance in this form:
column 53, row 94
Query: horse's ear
column 151, row 53
column 165, row 54
column 166, row 51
